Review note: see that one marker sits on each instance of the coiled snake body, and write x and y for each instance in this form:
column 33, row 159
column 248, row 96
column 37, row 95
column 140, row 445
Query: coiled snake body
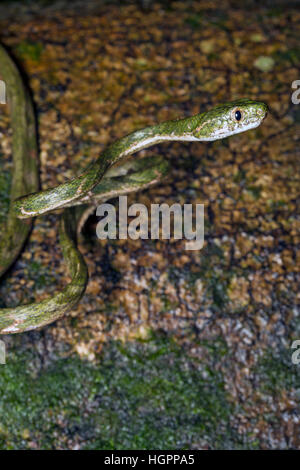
column 98, row 183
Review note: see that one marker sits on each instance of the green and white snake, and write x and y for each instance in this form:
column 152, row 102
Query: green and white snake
column 98, row 183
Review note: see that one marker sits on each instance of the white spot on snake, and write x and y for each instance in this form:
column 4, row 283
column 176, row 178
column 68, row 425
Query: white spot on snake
column 27, row 212
column 10, row 329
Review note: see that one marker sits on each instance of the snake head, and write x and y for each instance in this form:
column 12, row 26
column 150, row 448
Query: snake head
column 230, row 118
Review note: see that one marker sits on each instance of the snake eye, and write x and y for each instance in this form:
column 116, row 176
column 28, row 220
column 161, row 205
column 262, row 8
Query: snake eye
column 237, row 114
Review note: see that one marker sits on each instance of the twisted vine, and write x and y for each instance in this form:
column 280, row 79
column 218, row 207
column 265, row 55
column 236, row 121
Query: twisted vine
column 80, row 195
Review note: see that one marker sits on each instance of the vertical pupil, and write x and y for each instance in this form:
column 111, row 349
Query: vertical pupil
column 238, row 115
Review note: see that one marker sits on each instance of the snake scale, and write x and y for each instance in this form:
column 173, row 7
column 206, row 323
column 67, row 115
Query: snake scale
column 98, row 183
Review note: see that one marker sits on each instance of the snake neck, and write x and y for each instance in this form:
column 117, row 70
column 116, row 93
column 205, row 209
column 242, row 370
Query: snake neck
column 180, row 130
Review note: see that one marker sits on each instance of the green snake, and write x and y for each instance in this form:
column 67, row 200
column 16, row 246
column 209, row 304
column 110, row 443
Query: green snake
column 98, row 183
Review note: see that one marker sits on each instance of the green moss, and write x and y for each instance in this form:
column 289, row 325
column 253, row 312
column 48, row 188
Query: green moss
column 39, row 274
column 30, row 50
column 213, row 56
column 275, row 11
column 276, row 205
column 145, row 395
column 167, row 305
column 5, row 182
column 240, row 176
column 290, row 56
column 255, row 191
column 221, row 24
column 277, row 373
column 195, row 20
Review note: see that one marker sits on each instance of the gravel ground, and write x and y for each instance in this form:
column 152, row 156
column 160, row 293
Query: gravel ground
column 231, row 311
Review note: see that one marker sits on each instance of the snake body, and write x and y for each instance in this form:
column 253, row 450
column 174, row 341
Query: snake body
column 99, row 182
column 215, row 124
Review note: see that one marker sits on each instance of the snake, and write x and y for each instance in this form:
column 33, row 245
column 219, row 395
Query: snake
column 110, row 175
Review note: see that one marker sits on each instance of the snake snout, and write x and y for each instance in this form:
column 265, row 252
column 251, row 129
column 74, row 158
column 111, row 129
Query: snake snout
column 263, row 111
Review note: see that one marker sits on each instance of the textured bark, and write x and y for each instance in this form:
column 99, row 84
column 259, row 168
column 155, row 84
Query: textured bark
column 25, row 178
